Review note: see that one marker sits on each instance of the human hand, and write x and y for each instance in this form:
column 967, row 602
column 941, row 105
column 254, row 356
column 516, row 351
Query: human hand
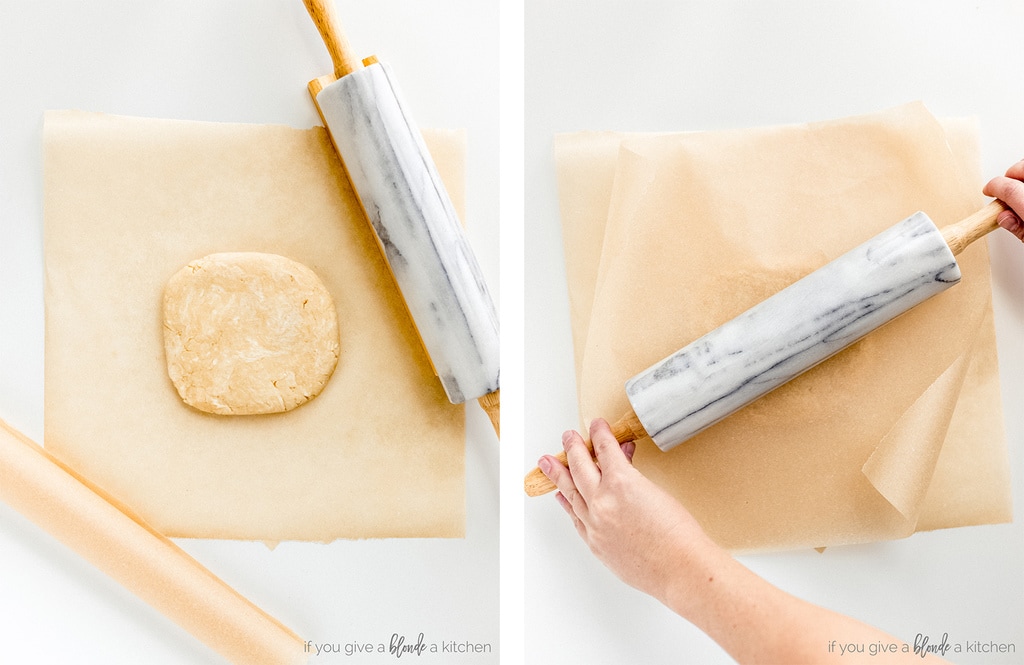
column 654, row 544
column 1010, row 190
column 639, row 531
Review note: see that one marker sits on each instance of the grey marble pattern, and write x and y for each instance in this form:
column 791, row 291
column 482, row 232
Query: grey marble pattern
column 418, row 229
column 791, row 332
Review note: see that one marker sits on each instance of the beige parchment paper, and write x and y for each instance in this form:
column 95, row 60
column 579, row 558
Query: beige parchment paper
column 898, row 433
column 128, row 201
column 119, row 543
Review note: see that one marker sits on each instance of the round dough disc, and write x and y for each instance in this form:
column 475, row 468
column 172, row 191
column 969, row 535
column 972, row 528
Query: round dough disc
column 248, row 333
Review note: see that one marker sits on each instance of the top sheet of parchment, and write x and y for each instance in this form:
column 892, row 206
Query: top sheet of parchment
column 129, row 201
column 668, row 236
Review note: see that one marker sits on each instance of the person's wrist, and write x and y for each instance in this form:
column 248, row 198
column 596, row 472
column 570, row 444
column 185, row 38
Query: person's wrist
column 690, row 573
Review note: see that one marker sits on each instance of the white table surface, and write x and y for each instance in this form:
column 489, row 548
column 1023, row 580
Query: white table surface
column 660, row 65
column 235, row 61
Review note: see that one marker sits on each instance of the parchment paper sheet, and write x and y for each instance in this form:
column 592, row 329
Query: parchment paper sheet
column 128, row 201
column 901, row 432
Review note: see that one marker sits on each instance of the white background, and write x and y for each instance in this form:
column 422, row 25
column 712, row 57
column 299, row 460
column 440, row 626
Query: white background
column 638, row 65
column 234, row 61
column 650, row 65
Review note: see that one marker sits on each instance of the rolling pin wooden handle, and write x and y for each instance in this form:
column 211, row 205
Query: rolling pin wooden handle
column 491, row 404
column 958, row 236
column 626, row 428
column 337, row 44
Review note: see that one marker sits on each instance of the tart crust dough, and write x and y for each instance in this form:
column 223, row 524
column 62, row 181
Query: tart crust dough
column 248, row 333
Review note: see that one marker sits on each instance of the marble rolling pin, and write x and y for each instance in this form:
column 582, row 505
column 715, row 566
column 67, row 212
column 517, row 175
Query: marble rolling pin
column 123, row 546
column 792, row 331
column 412, row 216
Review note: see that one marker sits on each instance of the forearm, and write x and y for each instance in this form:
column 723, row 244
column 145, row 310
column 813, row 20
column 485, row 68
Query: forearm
column 654, row 544
column 755, row 622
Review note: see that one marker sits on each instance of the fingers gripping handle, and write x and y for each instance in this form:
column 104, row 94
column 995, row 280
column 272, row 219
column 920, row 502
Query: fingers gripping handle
column 627, row 428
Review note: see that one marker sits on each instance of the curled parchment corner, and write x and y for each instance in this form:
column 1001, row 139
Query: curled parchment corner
column 902, row 464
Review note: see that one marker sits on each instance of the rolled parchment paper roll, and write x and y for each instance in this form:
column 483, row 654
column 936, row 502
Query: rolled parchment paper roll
column 82, row 517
